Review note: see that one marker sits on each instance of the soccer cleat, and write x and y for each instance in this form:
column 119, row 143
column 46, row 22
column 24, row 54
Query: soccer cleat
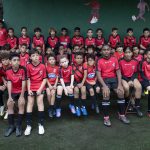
column 107, row 122
column 28, row 130
column 58, row 113
column 84, row 111
column 9, row 131
column 72, row 108
column 124, row 119
column 97, row 109
column 78, row 111
column 6, row 116
column 138, row 111
column 2, row 110
column 18, row 131
column 41, row 129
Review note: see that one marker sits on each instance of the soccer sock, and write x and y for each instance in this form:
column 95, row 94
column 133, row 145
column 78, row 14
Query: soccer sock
column 51, row 107
column 121, row 106
column 19, row 121
column 29, row 118
column 93, row 98
column 105, row 107
column 41, row 117
column 58, row 101
column 137, row 102
column 1, row 99
column 11, row 119
column 77, row 102
column 71, row 98
column 148, row 101
column 83, row 103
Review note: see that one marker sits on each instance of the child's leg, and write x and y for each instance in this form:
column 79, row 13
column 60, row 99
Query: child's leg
column 76, row 97
column 126, row 88
column 83, row 95
column 48, row 95
column 70, row 95
column 59, row 97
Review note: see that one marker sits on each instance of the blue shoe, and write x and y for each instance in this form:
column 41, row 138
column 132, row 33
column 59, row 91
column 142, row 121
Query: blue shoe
column 84, row 111
column 72, row 108
column 58, row 113
column 78, row 112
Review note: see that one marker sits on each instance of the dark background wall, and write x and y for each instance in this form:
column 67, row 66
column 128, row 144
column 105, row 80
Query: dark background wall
column 71, row 13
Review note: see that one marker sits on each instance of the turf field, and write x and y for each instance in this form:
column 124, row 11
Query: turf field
column 71, row 133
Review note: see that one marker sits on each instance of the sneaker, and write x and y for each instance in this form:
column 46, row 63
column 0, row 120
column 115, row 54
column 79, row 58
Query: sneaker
column 9, row 131
column 6, row 116
column 58, row 113
column 18, row 131
column 84, row 111
column 72, row 108
column 28, row 130
column 97, row 109
column 107, row 122
column 2, row 110
column 138, row 111
column 50, row 113
column 124, row 119
column 41, row 129
column 78, row 111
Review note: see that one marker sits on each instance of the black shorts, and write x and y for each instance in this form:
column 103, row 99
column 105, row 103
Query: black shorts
column 34, row 93
column 145, row 84
column 15, row 96
column 76, row 83
column 66, row 84
column 89, row 86
column 112, row 83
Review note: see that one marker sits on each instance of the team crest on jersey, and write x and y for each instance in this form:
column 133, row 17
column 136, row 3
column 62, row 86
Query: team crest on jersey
column 41, row 72
column 52, row 75
column 91, row 75
column 113, row 64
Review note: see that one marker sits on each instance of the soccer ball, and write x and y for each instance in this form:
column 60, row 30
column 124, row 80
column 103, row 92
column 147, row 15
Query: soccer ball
column 134, row 18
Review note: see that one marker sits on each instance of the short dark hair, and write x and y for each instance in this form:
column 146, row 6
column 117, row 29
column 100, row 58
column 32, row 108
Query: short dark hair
column 62, row 29
column 51, row 55
column 119, row 44
column 89, row 29
column 127, row 48
column 11, row 29
column 23, row 28
column 129, row 29
column 76, row 28
column 14, row 54
column 90, row 46
column 4, row 55
column 99, row 29
column 145, row 29
column 79, row 54
column 114, row 28
column 34, row 51
column 37, row 29
column 90, row 56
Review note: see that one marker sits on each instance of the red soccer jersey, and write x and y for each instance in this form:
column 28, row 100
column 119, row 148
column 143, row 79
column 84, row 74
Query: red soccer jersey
column 128, row 68
column 145, row 68
column 139, row 58
column 52, row 42
column 38, row 41
column 64, row 40
column 16, row 78
column 144, row 41
column 99, row 41
column 114, row 40
column 77, row 41
column 3, row 36
column 65, row 74
column 24, row 59
column 52, row 73
column 118, row 55
column 36, row 74
column 12, row 41
column 24, row 40
column 89, row 42
column 108, row 67
column 91, row 73
column 129, row 41
column 1, row 75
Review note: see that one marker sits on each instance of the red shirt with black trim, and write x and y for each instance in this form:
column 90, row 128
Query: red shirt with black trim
column 12, row 41
column 77, row 41
column 108, row 67
column 144, row 41
column 24, row 40
column 24, row 59
column 16, row 78
column 146, row 69
column 99, row 41
column 139, row 58
column 90, row 41
column 38, row 41
column 129, row 41
column 3, row 36
column 91, row 73
column 128, row 68
column 52, row 41
column 52, row 73
column 114, row 40
column 65, row 74
column 36, row 74
column 64, row 40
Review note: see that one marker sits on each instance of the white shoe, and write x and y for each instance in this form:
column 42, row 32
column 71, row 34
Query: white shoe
column 28, row 130
column 2, row 110
column 41, row 129
column 6, row 116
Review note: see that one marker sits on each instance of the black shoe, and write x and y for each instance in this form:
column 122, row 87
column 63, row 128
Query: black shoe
column 9, row 131
column 50, row 113
column 138, row 111
column 18, row 131
column 97, row 109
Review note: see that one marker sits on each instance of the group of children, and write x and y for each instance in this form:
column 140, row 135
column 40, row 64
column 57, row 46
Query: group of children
column 73, row 67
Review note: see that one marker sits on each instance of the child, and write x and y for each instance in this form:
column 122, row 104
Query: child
column 90, row 40
column 16, row 77
column 36, row 73
column 80, row 90
column 144, row 40
column 24, row 56
column 136, row 54
column 114, row 38
column 38, row 39
column 129, row 40
column 119, row 51
column 24, row 39
column 76, row 49
column 66, row 85
column 3, row 34
column 109, row 77
column 129, row 68
column 41, row 55
column 52, row 80
column 12, row 40
column 48, row 52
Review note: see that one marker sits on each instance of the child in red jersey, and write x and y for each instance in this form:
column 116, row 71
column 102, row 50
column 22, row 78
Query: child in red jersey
column 52, row 80
column 80, row 89
column 66, row 85
column 91, row 81
column 47, row 53
column 129, row 68
column 24, row 56
column 114, row 38
column 38, row 39
column 3, row 34
column 109, row 76
column 36, row 73
column 119, row 51
column 129, row 40
column 12, row 40
column 24, row 39
column 90, row 40
column 16, row 77
column 75, row 50
column 41, row 55
column 136, row 54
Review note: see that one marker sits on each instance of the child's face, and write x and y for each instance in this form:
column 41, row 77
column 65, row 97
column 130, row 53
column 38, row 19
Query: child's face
column 23, row 49
column 79, row 59
column 5, row 62
column 35, row 57
column 77, row 33
column 128, row 54
column 106, row 51
column 119, row 49
column 1, row 25
column 90, row 51
column 49, row 51
column 91, row 62
column 10, row 33
column 136, row 50
column 52, row 33
column 115, row 33
column 90, row 33
column 76, row 49
column 64, row 32
column 130, row 33
column 37, row 34
column 61, row 50
column 51, row 60
column 64, row 62
column 15, row 62
column 146, row 33
column 99, row 33
column 24, row 32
